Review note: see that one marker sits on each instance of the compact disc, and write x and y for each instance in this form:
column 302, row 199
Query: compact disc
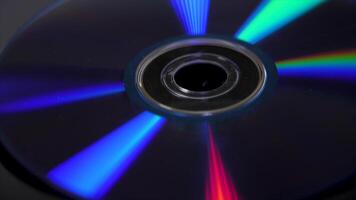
column 182, row 99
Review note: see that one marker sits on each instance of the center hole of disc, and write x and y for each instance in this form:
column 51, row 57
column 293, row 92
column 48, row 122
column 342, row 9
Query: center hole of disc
column 200, row 77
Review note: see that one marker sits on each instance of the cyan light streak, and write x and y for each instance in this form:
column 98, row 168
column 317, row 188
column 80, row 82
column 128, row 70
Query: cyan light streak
column 272, row 15
column 61, row 98
column 92, row 172
column 193, row 15
column 334, row 65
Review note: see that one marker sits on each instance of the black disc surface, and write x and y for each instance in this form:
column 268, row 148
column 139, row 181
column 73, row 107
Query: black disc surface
column 66, row 118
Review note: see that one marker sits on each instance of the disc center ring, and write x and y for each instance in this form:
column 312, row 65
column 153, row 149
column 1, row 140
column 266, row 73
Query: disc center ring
column 203, row 78
column 200, row 76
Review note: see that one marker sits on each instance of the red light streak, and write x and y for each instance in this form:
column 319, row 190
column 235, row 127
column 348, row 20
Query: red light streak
column 219, row 185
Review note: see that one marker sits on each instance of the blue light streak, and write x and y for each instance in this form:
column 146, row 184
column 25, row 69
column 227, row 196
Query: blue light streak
column 193, row 15
column 93, row 171
column 272, row 15
column 61, row 98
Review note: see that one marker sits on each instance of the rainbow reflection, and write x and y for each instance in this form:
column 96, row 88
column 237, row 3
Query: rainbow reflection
column 219, row 186
column 193, row 15
column 333, row 65
column 272, row 15
column 61, row 98
column 92, row 172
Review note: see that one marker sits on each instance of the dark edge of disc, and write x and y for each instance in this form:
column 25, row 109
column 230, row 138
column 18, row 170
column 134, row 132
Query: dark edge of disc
column 35, row 18
column 7, row 159
column 344, row 189
column 20, row 172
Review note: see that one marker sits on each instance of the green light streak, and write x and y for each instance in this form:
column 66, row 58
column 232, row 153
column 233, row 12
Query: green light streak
column 271, row 15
